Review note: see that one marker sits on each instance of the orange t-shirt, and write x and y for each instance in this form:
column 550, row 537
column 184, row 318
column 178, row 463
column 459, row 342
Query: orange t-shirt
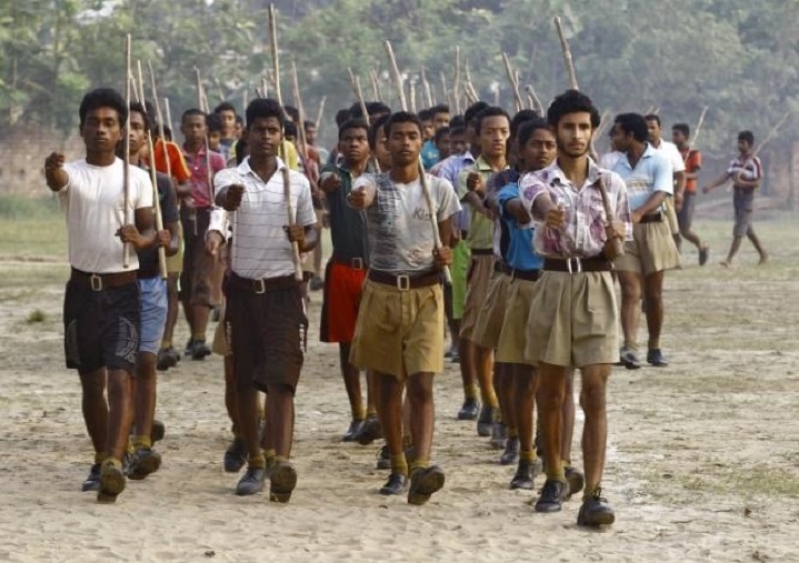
column 693, row 162
column 178, row 167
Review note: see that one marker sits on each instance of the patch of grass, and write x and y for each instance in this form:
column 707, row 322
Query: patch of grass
column 16, row 208
column 36, row 316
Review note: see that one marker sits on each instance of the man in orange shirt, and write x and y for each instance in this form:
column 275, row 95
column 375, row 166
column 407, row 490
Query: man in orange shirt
column 165, row 150
column 680, row 133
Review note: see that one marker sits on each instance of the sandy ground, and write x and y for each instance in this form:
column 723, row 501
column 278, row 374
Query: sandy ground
column 703, row 462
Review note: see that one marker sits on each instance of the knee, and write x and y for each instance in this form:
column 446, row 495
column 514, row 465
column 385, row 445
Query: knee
column 654, row 294
column 550, row 397
column 630, row 289
column 592, row 397
column 93, row 385
column 420, row 389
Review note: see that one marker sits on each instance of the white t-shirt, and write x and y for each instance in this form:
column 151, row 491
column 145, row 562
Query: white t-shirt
column 401, row 238
column 93, row 200
column 261, row 248
column 673, row 154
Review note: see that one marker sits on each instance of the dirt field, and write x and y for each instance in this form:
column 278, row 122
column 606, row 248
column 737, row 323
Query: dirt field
column 703, row 462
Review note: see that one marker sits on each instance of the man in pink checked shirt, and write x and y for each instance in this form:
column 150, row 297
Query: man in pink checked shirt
column 574, row 319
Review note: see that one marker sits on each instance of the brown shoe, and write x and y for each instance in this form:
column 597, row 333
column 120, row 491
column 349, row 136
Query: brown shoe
column 112, row 481
column 282, row 480
column 425, row 482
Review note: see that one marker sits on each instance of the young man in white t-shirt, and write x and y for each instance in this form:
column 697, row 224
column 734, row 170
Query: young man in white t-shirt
column 101, row 305
column 399, row 334
column 265, row 314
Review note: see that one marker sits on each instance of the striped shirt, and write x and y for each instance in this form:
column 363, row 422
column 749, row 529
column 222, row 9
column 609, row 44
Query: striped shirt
column 260, row 247
column 748, row 168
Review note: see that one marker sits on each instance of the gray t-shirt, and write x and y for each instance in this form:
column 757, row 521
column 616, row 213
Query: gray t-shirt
column 401, row 238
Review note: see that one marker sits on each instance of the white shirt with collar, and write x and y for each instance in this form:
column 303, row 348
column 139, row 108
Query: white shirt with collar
column 260, row 247
column 672, row 153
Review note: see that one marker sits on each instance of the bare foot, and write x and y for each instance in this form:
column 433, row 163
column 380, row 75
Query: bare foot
column 763, row 259
column 725, row 264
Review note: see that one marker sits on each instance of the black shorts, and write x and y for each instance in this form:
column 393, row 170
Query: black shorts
column 101, row 328
column 198, row 266
column 267, row 334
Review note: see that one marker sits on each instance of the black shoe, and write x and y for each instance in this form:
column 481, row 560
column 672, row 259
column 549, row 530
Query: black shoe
column 282, row 480
column 470, row 410
column 200, row 350
column 425, row 482
column 370, row 431
column 383, row 458
column 352, row 431
column 511, row 453
column 396, row 484
column 704, row 255
column 236, row 455
column 189, row 347
column 552, row 496
column 143, row 462
column 165, row 359
column 525, row 476
column 316, row 284
column 252, row 482
column 575, row 479
column 656, row 358
column 629, row 359
column 175, row 355
column 485, row 423
column 595, row 511
column 92, row 482
column 157, row 432
column 499, row 436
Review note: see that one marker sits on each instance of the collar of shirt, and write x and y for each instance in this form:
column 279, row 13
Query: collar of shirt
column 554, row 174
column 245, row 170
column 198, row 154
column 648, row 153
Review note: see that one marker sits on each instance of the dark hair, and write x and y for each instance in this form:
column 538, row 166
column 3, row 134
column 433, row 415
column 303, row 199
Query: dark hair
column 377, row 108
column 192, row 112
column 353, row 124
column 290, row 129
column 241, row 147
column 747, row 136
column 652, row 117
column 633, row 123
column 457, row 125
column 292, row 112
column 440, row 108
column 521, row 117
column 139, row 108
column 225, row 106
column 239, row 120
column 342, row 116
column 376, row 126
column 262, row 108
column 440, row 133
column 402, row 117
column 308, row 123
column 425, row 115
column 572, row 101
column 473, row 110
column 527, row 129
column 103, row 98
column 167, row 132
column 214, row 123
column 682, row 128
column 493, row 111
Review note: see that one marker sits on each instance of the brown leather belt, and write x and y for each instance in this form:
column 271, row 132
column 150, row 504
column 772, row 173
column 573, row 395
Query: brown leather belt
column 653, row 218
column 526, row 275
column 482, row 251
column 354, row 263
column 99, row 282
column 404, row 282
column 262, row 285
column 577, row 265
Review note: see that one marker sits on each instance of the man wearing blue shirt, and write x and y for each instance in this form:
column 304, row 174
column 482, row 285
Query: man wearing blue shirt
column 649, row 179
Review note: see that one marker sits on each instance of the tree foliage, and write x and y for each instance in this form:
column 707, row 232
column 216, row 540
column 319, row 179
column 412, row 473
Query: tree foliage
column 738, row 57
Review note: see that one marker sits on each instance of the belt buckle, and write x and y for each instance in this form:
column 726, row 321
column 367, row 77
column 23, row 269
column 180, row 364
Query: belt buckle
column 403, row 282
column 259, row 286
column 356, row 263
column 574, row 265
column 96, row 282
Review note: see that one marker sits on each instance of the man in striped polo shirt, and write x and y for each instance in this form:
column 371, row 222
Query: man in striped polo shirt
column 265, row 315
column 746, row 174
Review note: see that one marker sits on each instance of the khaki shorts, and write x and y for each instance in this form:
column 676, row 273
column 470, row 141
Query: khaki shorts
column 400, row 333
column 481, row 271
column 652, row 250
column 492, row 314
column 513, row 336
column 174, row 263
column 671, row 216
column 574, row 321
column 221, row 345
